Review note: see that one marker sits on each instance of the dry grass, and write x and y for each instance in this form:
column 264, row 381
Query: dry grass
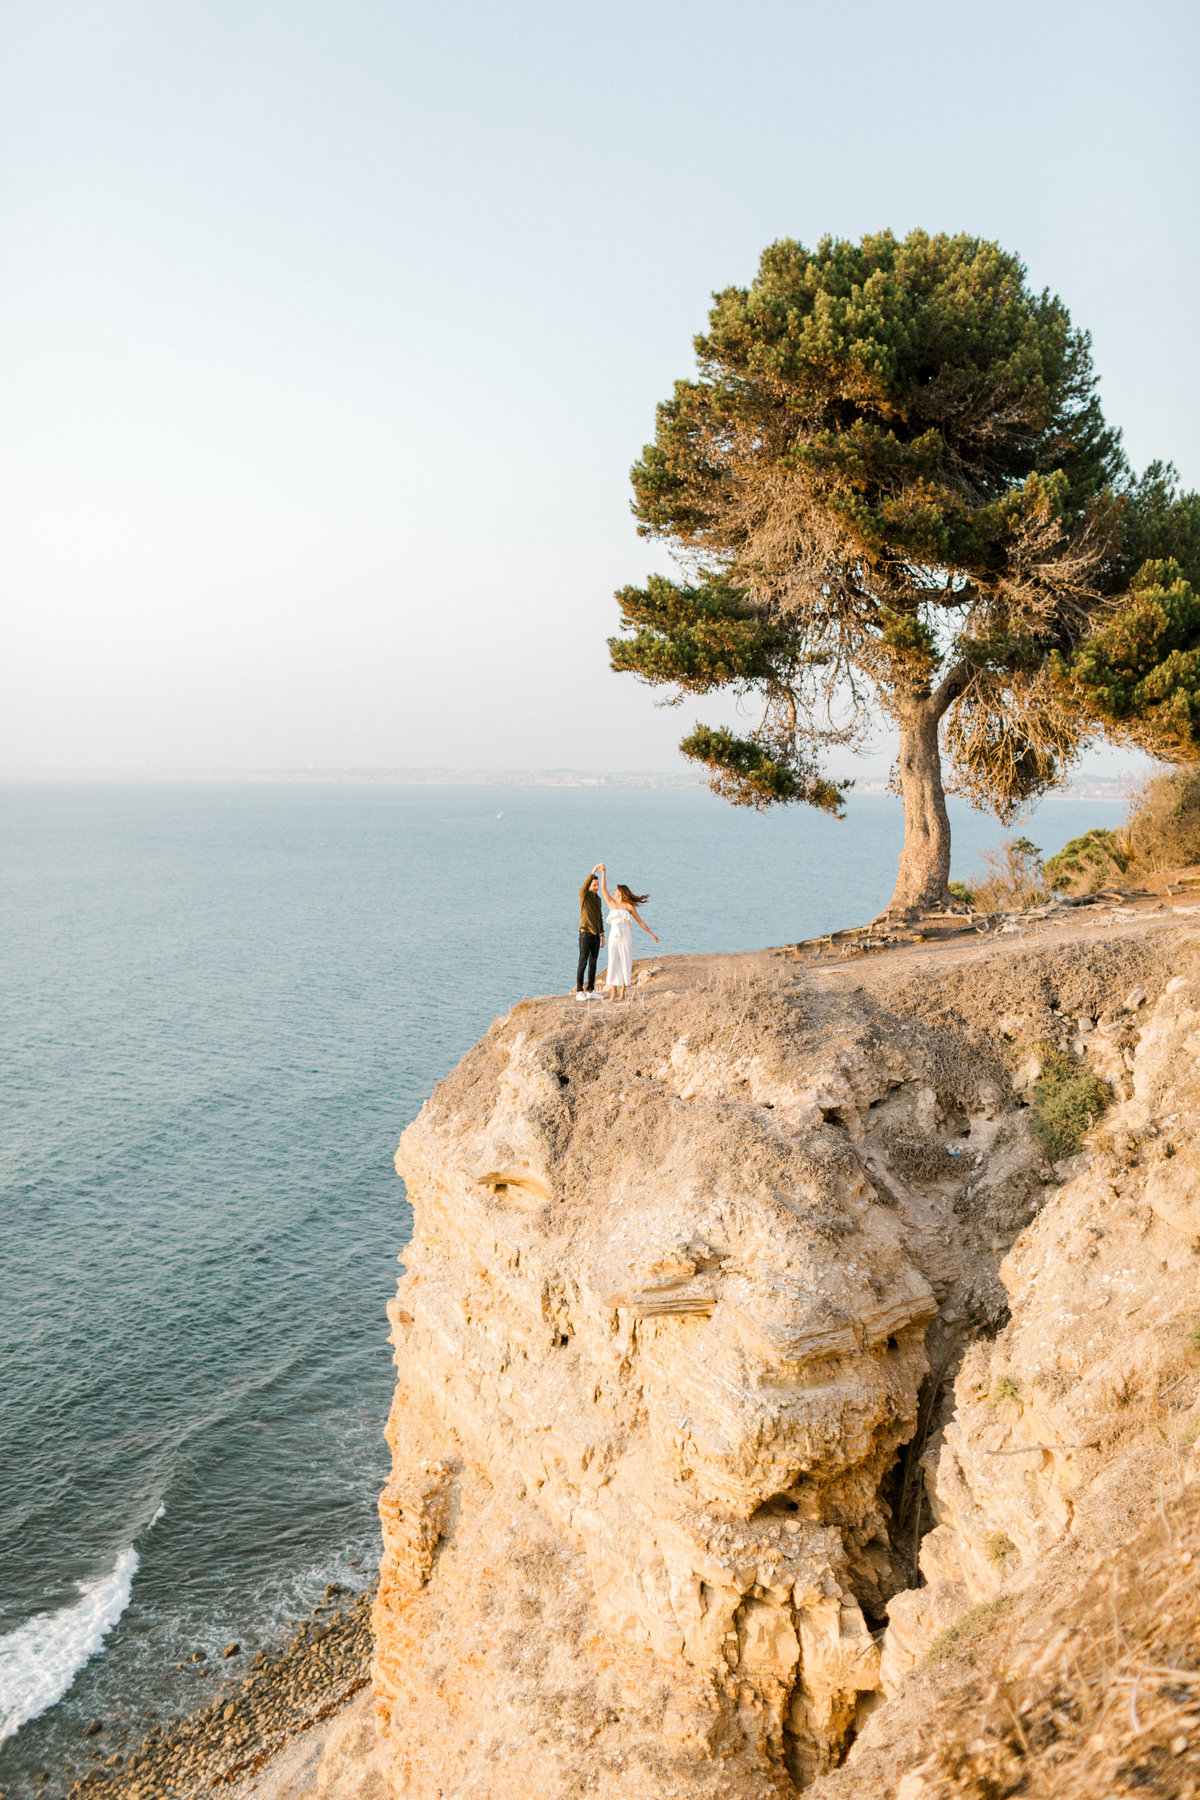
column 1162, row 830
column 1043, row 981
column 1107, row 1706
column 973, row 1622
column 1010, row 877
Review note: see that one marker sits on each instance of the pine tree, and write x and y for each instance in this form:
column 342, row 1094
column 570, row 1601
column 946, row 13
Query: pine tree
column 890, row 487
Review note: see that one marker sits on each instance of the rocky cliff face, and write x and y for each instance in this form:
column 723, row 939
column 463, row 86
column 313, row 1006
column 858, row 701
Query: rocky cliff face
column 1060, row 1578
column 1103, row 1293
column 715, row 1304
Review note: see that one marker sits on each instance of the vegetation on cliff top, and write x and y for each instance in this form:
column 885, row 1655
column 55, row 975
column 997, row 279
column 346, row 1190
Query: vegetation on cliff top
column 1089, row 861
column 1010, row 876
column 1161, row 831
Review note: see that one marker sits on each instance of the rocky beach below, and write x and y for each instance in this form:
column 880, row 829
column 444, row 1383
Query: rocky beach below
column 255, row 1717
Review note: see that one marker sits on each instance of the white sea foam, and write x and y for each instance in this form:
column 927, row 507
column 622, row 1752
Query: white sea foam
column 41, row 1658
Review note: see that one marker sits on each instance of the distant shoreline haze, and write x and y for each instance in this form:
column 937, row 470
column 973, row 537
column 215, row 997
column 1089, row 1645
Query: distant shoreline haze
column 1083, row 787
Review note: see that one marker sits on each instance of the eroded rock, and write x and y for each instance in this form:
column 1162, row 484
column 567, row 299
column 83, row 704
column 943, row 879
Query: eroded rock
column 681, row 1373
column 669, row 1308
column 1104, row 1296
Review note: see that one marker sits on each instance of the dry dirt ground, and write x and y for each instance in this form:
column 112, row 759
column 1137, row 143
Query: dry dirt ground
column 873, row 955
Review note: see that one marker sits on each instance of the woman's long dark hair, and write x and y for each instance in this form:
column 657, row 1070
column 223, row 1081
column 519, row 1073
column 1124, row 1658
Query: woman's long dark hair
column 629, row 897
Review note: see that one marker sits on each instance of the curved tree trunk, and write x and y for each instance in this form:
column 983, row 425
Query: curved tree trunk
column 924, row 875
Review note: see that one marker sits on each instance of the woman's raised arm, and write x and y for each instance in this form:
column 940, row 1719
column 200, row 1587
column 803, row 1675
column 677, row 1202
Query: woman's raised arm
column 637, row 915
column 608, row 899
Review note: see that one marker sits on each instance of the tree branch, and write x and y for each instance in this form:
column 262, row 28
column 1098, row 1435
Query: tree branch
column 950, row 687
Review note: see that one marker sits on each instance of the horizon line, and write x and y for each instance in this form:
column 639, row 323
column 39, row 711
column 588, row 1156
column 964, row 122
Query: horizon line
column 1104, row 786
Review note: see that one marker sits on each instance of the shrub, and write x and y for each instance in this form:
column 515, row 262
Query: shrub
column 963, row 1630
column 1087, row 863
column 1001, row 1547
column 1067, row 1101
column 1006, row 1389
column 1011, row 877
column 1162, row 830
column 961, row 892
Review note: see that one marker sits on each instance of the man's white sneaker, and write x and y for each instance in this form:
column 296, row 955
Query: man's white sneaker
column 579, row 994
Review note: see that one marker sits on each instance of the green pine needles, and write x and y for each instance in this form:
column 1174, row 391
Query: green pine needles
column 1138, row 672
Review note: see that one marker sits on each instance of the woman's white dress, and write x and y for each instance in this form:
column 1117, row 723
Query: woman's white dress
column 620, row 949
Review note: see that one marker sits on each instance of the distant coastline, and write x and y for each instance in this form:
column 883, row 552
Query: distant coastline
column 1082, row 787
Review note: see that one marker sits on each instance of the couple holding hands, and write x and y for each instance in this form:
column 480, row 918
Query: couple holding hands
column 622, row 912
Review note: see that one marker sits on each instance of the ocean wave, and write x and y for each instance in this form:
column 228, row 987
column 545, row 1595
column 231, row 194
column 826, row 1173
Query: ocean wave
column 41, row 1658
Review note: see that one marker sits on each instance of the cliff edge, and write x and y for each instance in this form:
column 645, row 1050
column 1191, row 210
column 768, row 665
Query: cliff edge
column 748, row 1343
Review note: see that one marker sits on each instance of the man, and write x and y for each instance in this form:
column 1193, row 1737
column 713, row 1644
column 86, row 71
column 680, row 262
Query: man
column 591, row 934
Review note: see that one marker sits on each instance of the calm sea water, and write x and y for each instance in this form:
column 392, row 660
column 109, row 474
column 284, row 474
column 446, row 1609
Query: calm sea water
column 221, row 1006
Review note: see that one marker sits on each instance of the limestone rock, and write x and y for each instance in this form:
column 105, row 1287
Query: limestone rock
column 1103, row 1290
column 713, row 1306
column 662, row 1334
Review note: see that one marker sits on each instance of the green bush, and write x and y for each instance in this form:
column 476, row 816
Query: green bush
column 1006, row 1389
column 1067, row 1101
column 1087, row 863
column 961, row 892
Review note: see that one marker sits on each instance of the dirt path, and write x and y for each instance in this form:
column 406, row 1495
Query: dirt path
column 872, row 957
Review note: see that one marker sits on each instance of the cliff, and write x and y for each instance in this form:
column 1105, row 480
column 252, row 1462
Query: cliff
column 747, row 1345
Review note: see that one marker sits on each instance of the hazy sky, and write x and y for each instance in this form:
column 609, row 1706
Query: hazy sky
column 329, row 332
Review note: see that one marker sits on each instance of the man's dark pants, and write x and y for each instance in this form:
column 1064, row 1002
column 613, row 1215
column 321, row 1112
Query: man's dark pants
column 589, row 950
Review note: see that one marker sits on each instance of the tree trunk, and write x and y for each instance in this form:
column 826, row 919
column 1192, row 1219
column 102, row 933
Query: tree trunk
column 924, row 875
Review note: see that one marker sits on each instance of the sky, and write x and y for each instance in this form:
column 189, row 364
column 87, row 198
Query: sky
column 329, row 332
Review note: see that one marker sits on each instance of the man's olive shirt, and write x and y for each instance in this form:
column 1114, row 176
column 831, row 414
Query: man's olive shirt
column 590, row 917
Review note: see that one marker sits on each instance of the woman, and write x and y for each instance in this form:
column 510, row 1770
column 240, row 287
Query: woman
column 622, row 911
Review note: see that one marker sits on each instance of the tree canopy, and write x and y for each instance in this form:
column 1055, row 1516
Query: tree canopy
column 1136, row 674
column 890, row 486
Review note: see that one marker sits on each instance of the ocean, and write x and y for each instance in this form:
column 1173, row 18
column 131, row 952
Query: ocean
column 222, row 1003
